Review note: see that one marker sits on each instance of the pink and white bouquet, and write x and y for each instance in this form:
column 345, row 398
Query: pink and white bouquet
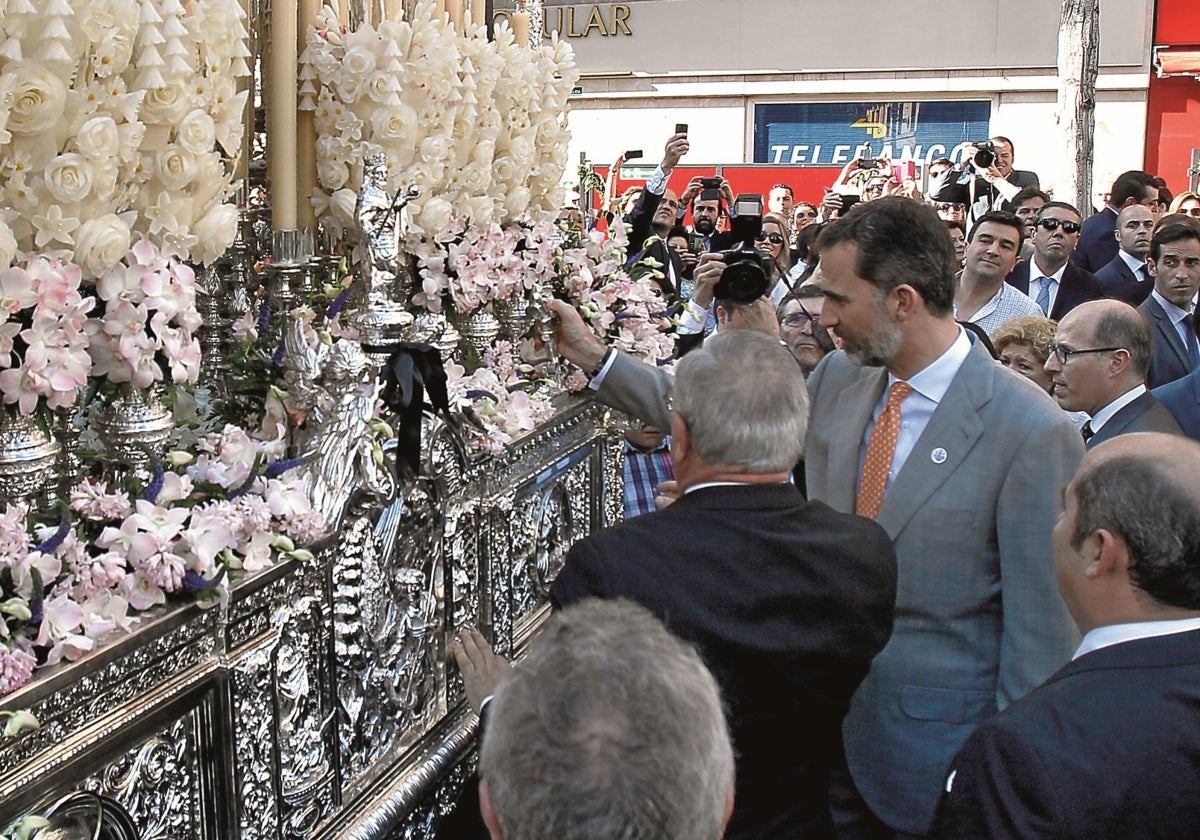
column 119, row 551
column 145, row 332
column 43, row 347
column 500, row 400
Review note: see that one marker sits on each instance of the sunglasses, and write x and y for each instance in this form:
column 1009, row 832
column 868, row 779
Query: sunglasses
column 773, row 238
column 812, row 214
column 1054, row 224
column 946, row 207
column 796, row 320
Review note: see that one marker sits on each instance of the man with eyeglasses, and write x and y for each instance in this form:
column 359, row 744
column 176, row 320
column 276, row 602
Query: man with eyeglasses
column 1098, row 365
column 800, row 326
column 1127, row 276
column 1174, row 264
column 1097, row 246
column 1054, row 283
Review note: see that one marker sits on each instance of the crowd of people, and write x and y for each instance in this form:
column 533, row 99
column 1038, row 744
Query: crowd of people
column 925, row 507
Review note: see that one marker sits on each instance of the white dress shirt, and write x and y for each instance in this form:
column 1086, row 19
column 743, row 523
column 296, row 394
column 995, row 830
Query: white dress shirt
column 1115, row 634
column 1138, row 267
column 1105, row 414
column 1036, row 279
column 929, row 386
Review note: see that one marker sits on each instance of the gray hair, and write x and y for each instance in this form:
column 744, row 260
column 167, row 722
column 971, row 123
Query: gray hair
column 610, row 728
column 1120, row 325
column 743, row 399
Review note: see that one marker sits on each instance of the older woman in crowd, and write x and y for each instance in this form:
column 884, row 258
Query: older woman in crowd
column 1023, row 344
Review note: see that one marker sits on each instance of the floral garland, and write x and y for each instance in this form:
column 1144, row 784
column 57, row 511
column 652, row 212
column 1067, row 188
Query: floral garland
column 66, row 588
column 119, row 121
column 478, row 126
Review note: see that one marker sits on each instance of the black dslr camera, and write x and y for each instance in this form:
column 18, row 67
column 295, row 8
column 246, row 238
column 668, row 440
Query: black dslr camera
column 745, row 278
column 985, row 154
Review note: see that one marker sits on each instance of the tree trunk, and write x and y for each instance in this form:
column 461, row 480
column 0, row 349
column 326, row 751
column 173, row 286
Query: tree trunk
column 1078, row 64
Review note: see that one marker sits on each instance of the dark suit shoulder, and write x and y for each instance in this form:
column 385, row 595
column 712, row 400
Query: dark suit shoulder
column 1115, row 273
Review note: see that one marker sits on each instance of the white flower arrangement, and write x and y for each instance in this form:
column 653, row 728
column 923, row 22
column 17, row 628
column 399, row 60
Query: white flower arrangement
column 478, row 126
column 119, row 120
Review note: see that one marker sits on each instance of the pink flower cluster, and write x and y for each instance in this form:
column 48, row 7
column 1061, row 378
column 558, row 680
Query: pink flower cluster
column 120, row 555
column 484, row 263
column 148, row 322
column 501, row 402
column 43, row 346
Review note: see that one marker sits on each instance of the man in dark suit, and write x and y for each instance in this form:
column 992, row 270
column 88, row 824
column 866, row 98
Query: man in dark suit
column 1127, row 277
column 570, row 752
column 990, row 188
column 1107, row 747
column 1182, row 399
column 1049, row 278
column 653, row 217
column 786, row 600
column 1175, row 266
column 1096, row 244
column 1098, row 365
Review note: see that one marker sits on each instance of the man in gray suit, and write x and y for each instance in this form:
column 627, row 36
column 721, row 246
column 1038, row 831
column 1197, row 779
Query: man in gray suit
column 1098, row 365
column 970, row 493
column 1175, row 265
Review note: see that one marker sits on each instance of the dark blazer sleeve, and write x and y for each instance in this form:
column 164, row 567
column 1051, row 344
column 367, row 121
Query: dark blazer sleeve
column 999, row 789
column 582, row 576
column 639, row 222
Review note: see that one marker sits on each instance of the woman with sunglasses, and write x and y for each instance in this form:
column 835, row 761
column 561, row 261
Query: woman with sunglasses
column 772, row 242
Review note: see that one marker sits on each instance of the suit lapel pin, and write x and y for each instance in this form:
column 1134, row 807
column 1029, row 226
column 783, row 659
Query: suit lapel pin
column 938, row 456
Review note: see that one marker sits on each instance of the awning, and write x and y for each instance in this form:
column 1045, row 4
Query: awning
column 1177, row 61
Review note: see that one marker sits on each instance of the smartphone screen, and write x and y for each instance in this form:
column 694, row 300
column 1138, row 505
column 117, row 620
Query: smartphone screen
column 681, row 128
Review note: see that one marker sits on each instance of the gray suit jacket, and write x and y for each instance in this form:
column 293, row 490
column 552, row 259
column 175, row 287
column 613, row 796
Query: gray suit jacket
column 979, row 620
column 1145, row 414
column 1171, row 360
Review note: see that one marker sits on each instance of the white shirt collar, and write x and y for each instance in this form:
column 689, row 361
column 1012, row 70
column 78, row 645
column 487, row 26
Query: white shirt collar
column 1133, row 262
column 1114, row 634
column 1105, row 414
column 934, row 380
column 704, row 484
column 1035, row 271
column 1173, row 312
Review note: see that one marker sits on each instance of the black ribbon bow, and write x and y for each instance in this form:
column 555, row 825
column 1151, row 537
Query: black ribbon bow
column 411, row 371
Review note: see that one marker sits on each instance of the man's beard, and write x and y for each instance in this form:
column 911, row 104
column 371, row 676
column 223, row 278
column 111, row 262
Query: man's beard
column 704, row 226
column 879, row 346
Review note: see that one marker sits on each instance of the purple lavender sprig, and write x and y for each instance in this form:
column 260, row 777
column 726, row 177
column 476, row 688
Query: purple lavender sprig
column 335, row 306
column 475, row 394
column 278, row 468
column 51, row 543
column 264, row 317
column 278, row 356
column 156, row 483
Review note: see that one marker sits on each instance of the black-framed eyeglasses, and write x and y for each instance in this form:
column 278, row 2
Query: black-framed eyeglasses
column 1067, row 225
column 773, row 238
column 796, row 320
column 1064, row 355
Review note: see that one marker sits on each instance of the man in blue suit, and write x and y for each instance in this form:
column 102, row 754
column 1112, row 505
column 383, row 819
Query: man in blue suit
column 1097, row 246
column 1107, row 747
column 1182, row 399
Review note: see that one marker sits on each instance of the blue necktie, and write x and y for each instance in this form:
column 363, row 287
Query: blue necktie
column 1043, row 298
column 1189, row 338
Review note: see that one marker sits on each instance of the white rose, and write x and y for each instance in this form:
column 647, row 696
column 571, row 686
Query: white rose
column 434, row 215
column 98, row 138
column 358, row 61
column 516, row 202
column 333, row 174
column 175, row 167
column 434, row 149
column 131, row 136
column 69, row 177
column 504, row 169
column 39, row 99
column 166, row 104
column 481, row 210
column 216, row 230
column 8, row 246
column 197, row 132
column 476, row 179
column 101, row 243
column 392, row 124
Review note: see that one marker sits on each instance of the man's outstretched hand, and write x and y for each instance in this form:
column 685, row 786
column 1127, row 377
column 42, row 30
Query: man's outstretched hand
column 482, row 669
column 574, row 340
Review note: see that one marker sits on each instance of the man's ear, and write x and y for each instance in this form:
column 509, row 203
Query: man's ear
column 681, row 441
column 1151, row 268
column 908, row 301
column 1106, row 554
column 489, row 813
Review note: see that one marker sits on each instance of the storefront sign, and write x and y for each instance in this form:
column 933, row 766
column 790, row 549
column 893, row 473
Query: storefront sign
column 832, row 134
column 581, row 21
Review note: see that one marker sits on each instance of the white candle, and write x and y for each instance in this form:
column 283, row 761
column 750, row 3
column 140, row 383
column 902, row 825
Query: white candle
column 454, row 9
column 306, row 132
column 478, row 13
column 520, row 27
column 281, row 137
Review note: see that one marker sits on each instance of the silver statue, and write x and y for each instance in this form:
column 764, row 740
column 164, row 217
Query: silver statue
column 385, row 265
column 337, row 386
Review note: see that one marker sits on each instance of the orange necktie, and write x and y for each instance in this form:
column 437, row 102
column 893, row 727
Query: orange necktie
column 881, row 448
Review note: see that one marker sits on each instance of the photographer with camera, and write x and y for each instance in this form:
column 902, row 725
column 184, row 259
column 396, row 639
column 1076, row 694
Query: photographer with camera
column 984, row 180
column 707, row 197
column 856, row 182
